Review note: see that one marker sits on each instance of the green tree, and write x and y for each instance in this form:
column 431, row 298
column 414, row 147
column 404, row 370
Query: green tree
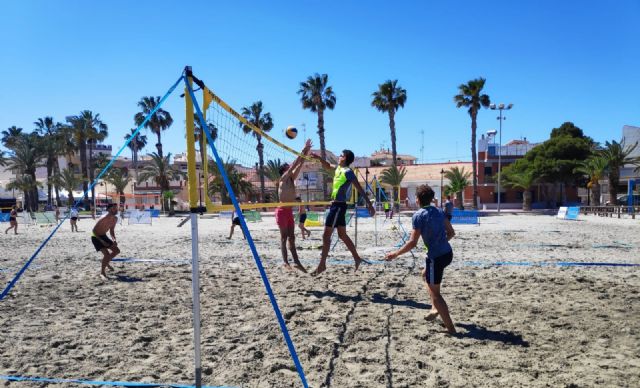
column 262, row 121
column 161, row 172
column 617, row 156
column 69, row 181
column 458, row 181
column 317, row 96
column 393, row 177
column 519, row 176
column 119, row 178
column 594, row 168
column 52, row 144
column 272, row 171
column 136, row 144
column 25, row 159
column 29, row 187
column 471, row 97
column 238, row 181
column 389, row 98
column 11, row 135
column 159, row 122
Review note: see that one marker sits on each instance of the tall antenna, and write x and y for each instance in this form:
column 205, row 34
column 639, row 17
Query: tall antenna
column 422, row 147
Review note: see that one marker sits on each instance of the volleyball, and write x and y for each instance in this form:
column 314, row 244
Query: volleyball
column 291, row 132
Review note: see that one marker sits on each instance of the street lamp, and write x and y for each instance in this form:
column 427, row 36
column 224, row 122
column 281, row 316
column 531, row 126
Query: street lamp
column 500, row 107
column 441, row 187
column 305, row 176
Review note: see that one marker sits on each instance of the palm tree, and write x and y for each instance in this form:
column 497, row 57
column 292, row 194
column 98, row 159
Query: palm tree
column 272, row 171
column 617, row 156
column 161, row 172
column 458, row 181
column 393, row 177
column 595, row 168
column 470, row 96
column 523, row 181
column 52, row 139
column 69, row 181
column 136, row 144
column 262, row 121
column 159, row 122
column 238, row 181
column 316, row 96
column 27, row 153
column 87, row 129
column 11, row 135
column 389, row 98
column 119, row 179
column 29, row 187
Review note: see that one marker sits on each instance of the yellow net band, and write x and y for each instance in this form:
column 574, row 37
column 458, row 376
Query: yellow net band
column 218, row 208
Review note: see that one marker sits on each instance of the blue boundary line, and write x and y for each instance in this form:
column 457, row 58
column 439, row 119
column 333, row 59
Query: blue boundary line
column 35, row 254
column 108, row 383
column 549, row 264
column 245, row 229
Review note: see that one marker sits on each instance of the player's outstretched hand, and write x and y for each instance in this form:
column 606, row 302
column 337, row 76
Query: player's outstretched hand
column 390, row 256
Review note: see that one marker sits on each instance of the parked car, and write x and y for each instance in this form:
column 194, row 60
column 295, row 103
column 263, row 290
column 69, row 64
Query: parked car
column 622, row 200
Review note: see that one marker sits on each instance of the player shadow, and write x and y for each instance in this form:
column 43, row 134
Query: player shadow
column 482, row 333
column 127, row 279
column 338, row 297
column 379, row 298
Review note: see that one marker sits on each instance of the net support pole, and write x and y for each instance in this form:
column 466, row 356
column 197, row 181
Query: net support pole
column 193, row 204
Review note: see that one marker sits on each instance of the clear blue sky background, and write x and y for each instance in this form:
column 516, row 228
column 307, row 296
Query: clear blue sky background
column 555, row 61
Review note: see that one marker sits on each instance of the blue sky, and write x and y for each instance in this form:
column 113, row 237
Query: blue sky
column 555, row 61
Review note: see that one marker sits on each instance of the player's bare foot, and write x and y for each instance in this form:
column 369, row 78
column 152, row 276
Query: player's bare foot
column 104, row 276
column 321, row 268
column 287, row 266
column 431, row 315
column 300, row 267
column 360, row 261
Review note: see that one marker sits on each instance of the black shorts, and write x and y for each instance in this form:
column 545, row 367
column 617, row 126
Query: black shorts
column 74, row 218
column 337, row 215
column 236, row 220
column 99, row 243
column 303, row 218
column 435, row 268
column 12, row 219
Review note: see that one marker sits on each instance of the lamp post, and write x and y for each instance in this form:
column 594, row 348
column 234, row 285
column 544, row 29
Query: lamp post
column 305, row 176
column 500, row 107
column 441, row 187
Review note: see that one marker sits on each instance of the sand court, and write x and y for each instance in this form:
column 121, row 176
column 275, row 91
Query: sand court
column 520, row 325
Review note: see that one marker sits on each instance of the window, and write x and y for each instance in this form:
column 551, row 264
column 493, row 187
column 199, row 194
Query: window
column 487, row 170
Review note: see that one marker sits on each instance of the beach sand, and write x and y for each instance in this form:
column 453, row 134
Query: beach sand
column 520, row 325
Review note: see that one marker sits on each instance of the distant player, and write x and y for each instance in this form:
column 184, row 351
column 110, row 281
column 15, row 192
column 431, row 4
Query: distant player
column 73, row 216
column 101, row 242
column 302, row 217
column 13, row 220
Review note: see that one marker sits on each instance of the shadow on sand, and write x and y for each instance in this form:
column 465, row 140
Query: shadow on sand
column 339, row 297
column 378, row 298
column 482, row 333
column 127, row 279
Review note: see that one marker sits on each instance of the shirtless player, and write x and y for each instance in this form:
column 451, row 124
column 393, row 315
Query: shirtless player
column 100, row 240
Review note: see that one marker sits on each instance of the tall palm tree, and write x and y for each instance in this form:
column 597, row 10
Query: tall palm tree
column 523, row 181
column 159, row 122
column 69, row 181
column 458, row 181
column 87, row 129
column 136, row 144
column 389, row 98
column 595, row 168
column 26, row 158
column 238, row 181
column 263, row 121
column 119, row 179
column 272, row 171
column 471, row 97
column 161, row 172
column 11, row 135
column 51, row 137
column 393, row 177
column 317, row 96
column 617, row 156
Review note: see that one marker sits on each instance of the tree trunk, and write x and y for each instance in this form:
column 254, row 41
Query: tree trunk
column 260, row 171
column 159, row 144
column 49, row 185
column 614, row 179
column 323, row 150
column 474, row 158
column 92, row 174
column 83, row 166
column 526, row 200
column 460, row 200
column 392, row 128
column 595, row 194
